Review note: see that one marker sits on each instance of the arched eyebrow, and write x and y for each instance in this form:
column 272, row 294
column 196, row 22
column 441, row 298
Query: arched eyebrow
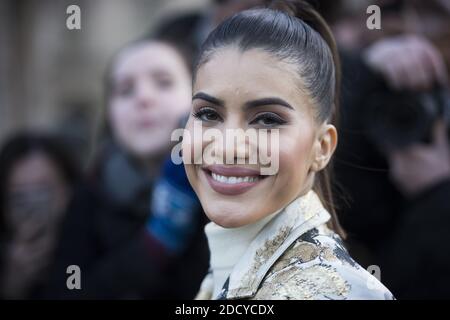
column 266, row 102
column 248, row 104
column 207, row 97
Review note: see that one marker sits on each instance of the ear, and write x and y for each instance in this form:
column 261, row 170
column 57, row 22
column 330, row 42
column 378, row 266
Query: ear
column 324, row 146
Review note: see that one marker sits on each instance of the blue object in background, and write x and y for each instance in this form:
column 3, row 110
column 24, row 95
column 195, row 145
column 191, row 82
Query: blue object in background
column 175, row 208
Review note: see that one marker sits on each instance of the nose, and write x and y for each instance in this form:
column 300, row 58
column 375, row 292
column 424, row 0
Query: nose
column 238, row 145
column 145, row 95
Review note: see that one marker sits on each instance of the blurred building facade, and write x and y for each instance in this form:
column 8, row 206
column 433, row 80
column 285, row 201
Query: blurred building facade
column 51, row 77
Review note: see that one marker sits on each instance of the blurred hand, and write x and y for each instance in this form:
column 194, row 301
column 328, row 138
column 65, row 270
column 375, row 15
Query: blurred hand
column 407, row 62
column 418, row 167
column 26, row 257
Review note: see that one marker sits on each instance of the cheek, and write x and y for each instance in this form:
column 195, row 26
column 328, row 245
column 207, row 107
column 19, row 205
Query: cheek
column 176, row 101
column 170, row 112
column 140, row 141
column 295, row 157
column 119, row 115
column 190, row 143
column 196, row 142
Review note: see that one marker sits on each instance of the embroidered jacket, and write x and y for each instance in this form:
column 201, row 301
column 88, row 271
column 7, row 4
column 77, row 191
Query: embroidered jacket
column 295, row 256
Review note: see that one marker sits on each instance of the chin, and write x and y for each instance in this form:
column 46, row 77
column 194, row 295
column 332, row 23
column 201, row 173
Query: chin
column 146, row 149
column 230, row 214
column 227, row 217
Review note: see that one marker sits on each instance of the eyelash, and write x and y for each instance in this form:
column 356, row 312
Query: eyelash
column 205, row 111
column 278, row 121
column 265, row 116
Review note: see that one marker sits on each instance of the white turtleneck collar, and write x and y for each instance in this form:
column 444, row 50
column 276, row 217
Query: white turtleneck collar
column 227, row 246
column 233, row 250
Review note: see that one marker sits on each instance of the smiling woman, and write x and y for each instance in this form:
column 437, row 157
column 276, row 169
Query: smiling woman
column 271, row 237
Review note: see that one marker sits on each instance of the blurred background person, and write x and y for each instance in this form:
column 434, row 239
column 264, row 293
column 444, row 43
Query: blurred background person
column 133, row 227
column 416, row 264
column 136, row 230
column 392, row 159
column 37, row 177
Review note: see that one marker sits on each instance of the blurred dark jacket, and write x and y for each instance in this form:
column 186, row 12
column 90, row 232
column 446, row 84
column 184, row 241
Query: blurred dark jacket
column 406, row 238
column 417, row 262
column 105, row 235
column 368, row 202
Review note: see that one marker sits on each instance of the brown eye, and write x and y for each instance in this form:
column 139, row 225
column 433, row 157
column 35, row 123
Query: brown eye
column 124, row 89
column 268, row 120
column 164, row 83
column 207, row 115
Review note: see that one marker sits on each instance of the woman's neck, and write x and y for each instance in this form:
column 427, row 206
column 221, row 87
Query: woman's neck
column 228, row 245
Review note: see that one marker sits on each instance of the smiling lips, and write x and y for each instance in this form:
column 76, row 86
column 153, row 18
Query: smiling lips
column 231, row 180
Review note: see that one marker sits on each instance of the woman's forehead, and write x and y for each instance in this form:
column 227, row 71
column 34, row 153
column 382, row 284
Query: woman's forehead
column 142, row 57
column 231, row 73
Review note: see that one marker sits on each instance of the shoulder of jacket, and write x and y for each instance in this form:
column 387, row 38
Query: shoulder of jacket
column 317, row 266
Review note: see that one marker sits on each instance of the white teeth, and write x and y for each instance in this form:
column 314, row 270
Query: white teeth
column 233, row 180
